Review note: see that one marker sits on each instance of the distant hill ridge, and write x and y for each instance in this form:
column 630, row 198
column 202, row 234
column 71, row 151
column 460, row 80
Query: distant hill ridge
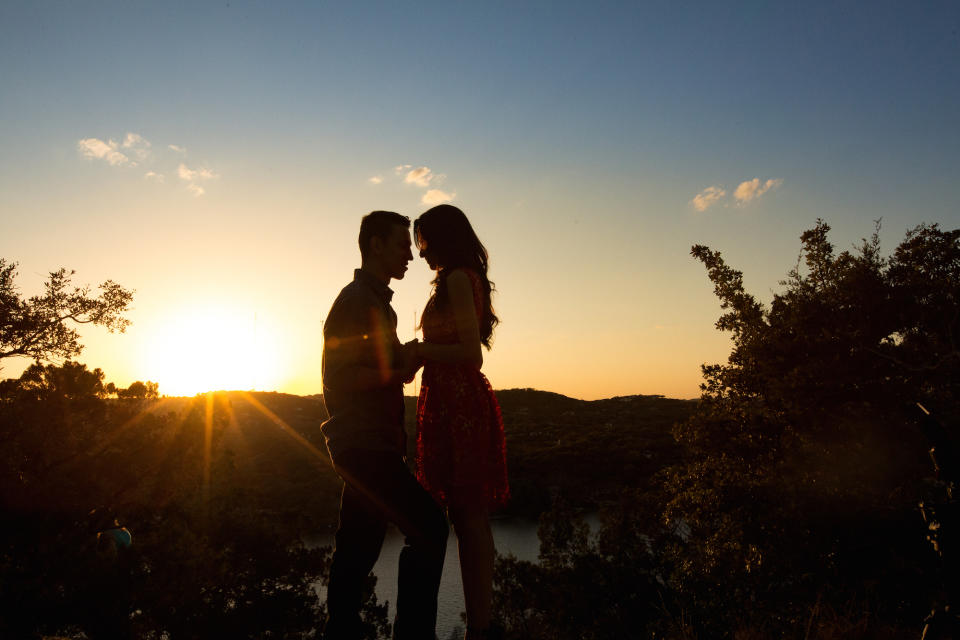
column 531, row 392
column 584, row 450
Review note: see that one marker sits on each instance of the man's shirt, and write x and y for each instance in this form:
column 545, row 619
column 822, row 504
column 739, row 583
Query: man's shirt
column 361, row 330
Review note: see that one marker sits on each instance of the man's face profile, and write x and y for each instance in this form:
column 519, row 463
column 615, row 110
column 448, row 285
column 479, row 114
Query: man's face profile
column 394, row 252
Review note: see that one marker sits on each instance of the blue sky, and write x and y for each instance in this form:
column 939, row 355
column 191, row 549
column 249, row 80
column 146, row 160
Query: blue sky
column 577, row 137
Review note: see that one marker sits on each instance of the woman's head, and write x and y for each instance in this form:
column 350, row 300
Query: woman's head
column 447, row 241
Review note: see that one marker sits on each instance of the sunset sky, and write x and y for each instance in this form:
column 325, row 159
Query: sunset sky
column 217, row 159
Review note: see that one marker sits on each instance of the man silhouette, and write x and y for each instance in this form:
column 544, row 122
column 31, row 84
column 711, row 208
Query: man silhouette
column 364, row 369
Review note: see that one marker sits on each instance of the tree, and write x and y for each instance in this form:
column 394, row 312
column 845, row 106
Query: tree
column 804, row 463
column 585, row 587
column 71, row 381
column 791, row 511
column 39, row 327
column 139, row 390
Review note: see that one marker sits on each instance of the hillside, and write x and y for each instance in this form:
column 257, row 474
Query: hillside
column 267, row 453
column 217, row 491
column 586, row 450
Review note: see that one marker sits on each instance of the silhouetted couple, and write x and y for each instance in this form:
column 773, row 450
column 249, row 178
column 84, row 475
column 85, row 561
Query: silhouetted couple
column 461, row 459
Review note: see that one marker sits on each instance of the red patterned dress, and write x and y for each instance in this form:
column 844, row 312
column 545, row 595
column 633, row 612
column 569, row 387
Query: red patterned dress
column 461, row 454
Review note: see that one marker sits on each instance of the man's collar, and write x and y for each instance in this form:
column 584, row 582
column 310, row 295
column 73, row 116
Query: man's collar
column 382, row 290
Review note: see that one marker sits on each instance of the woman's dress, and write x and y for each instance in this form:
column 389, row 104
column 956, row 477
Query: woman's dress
column 461, row 454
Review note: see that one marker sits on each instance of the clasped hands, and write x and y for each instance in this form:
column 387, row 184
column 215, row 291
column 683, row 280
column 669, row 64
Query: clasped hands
column 411, row 360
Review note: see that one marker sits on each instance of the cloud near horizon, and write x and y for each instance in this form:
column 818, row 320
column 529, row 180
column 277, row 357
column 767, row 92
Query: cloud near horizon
column 436, row 196
column 752, row 189
column 707, row 198
column 746, row 191
column 421, row 176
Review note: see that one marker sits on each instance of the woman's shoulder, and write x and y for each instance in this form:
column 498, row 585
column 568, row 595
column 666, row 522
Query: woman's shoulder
column 469, row 283
column 467, row 278
column 461, row 272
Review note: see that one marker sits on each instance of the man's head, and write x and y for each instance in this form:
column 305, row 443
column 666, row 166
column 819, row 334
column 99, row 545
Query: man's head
column 385, row 244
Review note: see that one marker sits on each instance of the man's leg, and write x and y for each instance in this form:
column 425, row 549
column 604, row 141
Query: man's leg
column 384, row 479
column 358, row 541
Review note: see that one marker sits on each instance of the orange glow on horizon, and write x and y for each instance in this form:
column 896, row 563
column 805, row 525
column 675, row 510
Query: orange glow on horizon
column 212, row 348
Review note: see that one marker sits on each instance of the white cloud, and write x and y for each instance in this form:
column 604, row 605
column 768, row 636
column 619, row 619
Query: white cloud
column 137, row 144
column 135, row 140
column 422, row 177
column 708, row 197
column 107, row 151
column 134, row 149
column 190, row 175
column 751, row 189
column 436, row 196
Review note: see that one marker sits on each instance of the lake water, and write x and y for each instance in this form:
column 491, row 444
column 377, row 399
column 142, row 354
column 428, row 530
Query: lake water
column 510, row 535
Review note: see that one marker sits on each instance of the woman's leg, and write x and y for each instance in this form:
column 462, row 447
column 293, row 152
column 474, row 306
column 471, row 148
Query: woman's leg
column 475, row 543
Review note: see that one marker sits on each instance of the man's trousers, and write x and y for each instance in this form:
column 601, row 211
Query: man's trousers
column 378, row 488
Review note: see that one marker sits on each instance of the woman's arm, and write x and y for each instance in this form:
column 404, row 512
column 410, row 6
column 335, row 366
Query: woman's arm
column 467, row 350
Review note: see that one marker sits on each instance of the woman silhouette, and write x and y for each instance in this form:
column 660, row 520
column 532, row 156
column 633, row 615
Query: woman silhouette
column 461, row 456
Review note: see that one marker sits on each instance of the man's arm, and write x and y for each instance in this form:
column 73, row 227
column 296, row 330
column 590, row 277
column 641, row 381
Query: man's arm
column 361, row 378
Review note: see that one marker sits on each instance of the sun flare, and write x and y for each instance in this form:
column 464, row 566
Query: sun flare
column 208, row 348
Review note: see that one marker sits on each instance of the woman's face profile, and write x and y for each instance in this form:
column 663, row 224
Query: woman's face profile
column 425, row 252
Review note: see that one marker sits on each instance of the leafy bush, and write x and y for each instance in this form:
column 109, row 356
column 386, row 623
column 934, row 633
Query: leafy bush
column 792, row 509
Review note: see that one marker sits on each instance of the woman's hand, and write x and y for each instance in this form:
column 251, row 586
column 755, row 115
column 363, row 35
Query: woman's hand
column 411, row 359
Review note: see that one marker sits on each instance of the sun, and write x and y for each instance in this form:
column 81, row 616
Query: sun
column 211, row 348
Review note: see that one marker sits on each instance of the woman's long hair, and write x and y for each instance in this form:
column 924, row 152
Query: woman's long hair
column 453, row 244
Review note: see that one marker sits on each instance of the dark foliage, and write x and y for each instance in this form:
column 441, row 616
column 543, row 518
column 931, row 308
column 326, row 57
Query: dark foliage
column 584, row 450
column 585, row 587
column 139, row 391
column 218, row 552
column 41, row 328
column 204, row 489
column 806, row 462
column 791, row 509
